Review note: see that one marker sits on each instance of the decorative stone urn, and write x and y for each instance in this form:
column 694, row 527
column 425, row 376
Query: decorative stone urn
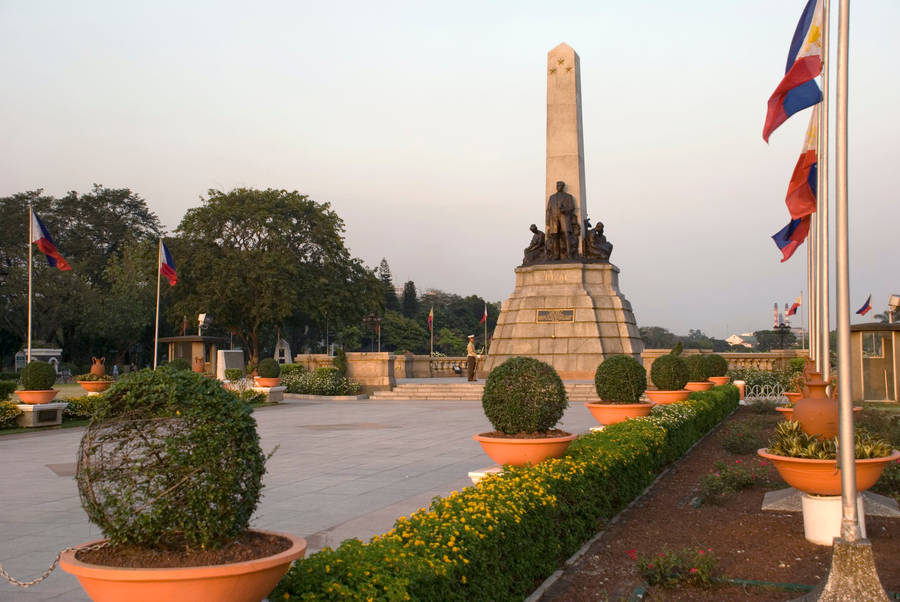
column 98, row 368
column 817, row 413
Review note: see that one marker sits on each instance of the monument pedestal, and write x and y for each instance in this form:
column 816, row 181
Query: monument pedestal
column 570, row 315
column 42, row 414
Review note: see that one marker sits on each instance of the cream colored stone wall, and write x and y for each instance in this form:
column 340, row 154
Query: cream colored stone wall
column 374, row 371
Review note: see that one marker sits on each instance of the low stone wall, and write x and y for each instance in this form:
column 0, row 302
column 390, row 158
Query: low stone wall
column 374, row 371
column 314, row 360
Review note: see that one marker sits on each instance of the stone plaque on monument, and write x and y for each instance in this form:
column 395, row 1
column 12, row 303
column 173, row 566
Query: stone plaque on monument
column 566, row 309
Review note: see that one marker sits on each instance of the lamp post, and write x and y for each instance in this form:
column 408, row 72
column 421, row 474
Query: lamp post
column 374, row 322
column 782, row 329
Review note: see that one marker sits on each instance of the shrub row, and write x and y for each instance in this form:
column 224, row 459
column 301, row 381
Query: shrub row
column 6, row 389
column 8, row 413
column 496, row 540
column 322, row 381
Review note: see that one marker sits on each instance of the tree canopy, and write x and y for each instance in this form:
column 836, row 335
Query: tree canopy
column 260, row 258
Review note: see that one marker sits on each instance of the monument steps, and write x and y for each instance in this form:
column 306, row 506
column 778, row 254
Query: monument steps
column 577, row 392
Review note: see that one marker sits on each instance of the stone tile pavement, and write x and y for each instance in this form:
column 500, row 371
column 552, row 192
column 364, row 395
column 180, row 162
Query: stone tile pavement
column 342, row 469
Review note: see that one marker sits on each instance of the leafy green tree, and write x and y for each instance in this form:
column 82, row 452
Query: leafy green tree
column 449, row 342
column 391, row 301
column 657, row 337
column 89, row 230
column 410, row 300
column 766, row 340
column 257, row 258
column 399, row 333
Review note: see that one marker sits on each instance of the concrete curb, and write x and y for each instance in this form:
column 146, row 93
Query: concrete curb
column 302, row 396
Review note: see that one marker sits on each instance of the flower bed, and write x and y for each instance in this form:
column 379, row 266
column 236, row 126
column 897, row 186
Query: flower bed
column 495, row 541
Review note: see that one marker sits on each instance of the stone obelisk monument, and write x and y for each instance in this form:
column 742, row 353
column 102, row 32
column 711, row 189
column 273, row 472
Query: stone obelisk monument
column 566, row 309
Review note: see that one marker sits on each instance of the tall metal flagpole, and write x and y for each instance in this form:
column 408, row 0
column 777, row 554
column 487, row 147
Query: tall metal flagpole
column 156, row 323
column 809, row 301
column 814, row 292
column 30, row 238
column 850, row 531
column 823, row 233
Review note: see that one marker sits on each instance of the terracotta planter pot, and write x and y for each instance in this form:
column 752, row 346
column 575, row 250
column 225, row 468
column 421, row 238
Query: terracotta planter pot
column 821, row 477
column 699, row 385
column 611, row 413
column 664, row 397
column 94, row 386
column 719, row 380
column 787, row 412
column 792, row 396
column 268, row 382
column 519, row 452
column 37, row 397
column 249, row 581
column 817, row 413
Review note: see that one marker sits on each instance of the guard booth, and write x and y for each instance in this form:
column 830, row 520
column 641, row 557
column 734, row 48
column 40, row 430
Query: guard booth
column 874, row 361
column 199, row 351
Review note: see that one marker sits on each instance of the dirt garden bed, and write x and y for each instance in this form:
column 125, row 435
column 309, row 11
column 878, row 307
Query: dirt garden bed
column 747, row 542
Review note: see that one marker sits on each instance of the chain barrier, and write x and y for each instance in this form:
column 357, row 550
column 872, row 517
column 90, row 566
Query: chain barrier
column 53, row 565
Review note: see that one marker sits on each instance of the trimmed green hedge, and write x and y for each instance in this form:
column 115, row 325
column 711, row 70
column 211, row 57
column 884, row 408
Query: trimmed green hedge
column 496, row 540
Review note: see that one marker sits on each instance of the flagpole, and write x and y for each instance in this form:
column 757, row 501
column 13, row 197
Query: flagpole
column 485, row 329
column 823, row 201
column 30, row 238
column 810, row 298
column 850, row 530
column 156, row 323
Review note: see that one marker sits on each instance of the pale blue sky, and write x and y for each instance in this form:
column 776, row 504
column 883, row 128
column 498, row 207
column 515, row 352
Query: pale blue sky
column 424, row 125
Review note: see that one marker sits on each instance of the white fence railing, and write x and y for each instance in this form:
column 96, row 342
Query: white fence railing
column 764, row 393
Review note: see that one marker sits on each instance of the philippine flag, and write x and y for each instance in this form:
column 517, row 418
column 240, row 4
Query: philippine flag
column 431, row 319
column 798, row 89
column 45, row 244
column 802, row 190
column 791, row 236
column 866, row 308
column 795, row 306
column 166, row 265
column 484, row 315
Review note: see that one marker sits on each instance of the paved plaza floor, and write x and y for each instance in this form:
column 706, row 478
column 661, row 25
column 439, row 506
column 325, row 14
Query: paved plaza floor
column 342, row 469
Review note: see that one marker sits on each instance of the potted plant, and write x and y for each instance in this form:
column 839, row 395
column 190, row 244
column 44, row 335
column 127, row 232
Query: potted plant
column 669, row 374
column 37, row 380
column 269, row 373
column 524, row 399
column 620, row 381
column 698, row 374
column 170, row 469
column 809, row 464
column 717, row 368
column 92, row 383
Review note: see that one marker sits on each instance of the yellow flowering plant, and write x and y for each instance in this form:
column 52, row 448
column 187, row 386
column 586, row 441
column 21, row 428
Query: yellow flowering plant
column 493, row 541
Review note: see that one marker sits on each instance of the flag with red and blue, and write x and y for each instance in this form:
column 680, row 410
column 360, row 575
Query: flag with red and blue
column 166, row 264
column 798, row 89
column 41, row 236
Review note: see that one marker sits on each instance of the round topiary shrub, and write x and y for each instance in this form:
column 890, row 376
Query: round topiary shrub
column 179, row 363
column 697, row 368
column 38, row 376
column 669, row 373
column 524, row 395
column 620, row 379
column 716, row 365
column 268, row 368
column 170, row 458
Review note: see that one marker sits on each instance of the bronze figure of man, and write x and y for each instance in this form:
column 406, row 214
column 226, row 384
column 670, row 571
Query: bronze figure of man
column 562, row 225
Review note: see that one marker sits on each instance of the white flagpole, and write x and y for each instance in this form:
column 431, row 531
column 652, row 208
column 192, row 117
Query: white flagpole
column 30, row 238
column 156, row 323
column 810, row 290
column 485, row 329
column 850, row 530
column 823, row 202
